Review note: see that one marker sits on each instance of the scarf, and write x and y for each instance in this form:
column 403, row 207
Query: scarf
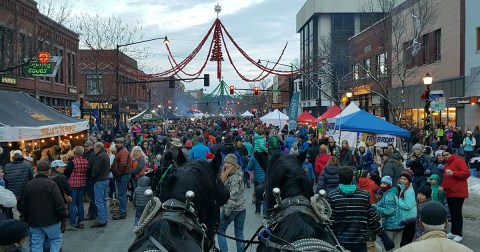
column 343, row 153
column 385, row 188
column 404, row 188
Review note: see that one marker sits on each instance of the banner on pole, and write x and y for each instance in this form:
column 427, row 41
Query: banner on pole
column 293, row 111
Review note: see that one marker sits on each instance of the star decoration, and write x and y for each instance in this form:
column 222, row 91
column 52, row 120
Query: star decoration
column 218, row 9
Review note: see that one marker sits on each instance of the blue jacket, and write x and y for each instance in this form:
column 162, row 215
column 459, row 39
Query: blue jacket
column 310, row 174
column 289, row 141
column 388, row 208
column 329, row 180
column 303, row 146
column 199, row 152
column 258, row 172
column 365, row 161
column 407, row 204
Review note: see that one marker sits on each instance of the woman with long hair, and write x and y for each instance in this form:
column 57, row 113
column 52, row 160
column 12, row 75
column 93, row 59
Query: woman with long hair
column 328, row 180
column 139, row 159
column 469, row 146
column 346, row 154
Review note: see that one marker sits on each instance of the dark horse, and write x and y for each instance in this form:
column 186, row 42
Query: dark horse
column 181, row 226
column 293, row 219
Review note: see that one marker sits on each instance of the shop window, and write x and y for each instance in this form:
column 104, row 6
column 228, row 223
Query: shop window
column 355, row 72
column 381, row 65
column 366, row 65
column 478, row 38
column 426, row 48
column 94, row 84
column 438, row 43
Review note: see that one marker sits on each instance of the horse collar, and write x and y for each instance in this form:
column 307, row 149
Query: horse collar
column 293, row 204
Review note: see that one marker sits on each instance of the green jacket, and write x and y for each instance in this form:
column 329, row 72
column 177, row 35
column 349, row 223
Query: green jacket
column 437, row 195
column 389, row 209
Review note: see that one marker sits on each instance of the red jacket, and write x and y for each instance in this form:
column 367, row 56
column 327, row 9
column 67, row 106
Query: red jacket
column 369, row 186
column 456, row 185
column 321, row 162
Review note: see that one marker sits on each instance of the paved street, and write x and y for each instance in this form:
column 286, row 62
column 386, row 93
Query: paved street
column 118, row 235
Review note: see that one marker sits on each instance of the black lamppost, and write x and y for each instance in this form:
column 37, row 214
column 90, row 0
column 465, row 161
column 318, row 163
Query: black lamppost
column 117, row 77
column 427, row 81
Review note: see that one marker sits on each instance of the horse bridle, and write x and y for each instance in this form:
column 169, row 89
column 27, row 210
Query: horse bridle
column 284, row 208
column 178, row 212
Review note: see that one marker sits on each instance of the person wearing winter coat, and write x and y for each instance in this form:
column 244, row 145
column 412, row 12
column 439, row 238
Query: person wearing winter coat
column 469, row 143
column 419, row 163
column 7, row 200
column 308, row 169
column 332, row 147
column 437, row 165
column 290, row 140
column 389, row 210
column 322, row 160
column 393, row 167
column 313, row 151
column 17, row 173
column 139, row 198
column 345, row 154
column 433, row 218
column 365, row 183
column 437, row 195
column 328, row 179
column 259, row 179
column 407, row 205
column 234, row 210
column 455, row 186
column 273, row 145
column 259, row 142
column 364, row 157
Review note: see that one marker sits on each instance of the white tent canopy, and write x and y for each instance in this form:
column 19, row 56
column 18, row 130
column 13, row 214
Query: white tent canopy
column 247, row 114
column 275, row 118
column 350, row 109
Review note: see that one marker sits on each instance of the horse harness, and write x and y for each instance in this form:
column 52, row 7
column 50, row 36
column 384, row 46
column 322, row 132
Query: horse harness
column 175, row 211
column 286, row 207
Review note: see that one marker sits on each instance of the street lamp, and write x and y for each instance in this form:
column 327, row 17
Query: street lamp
column 349, row 95
column 117, row 76
column 427, row 81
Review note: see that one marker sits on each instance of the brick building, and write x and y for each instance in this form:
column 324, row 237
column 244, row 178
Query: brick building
column 24, row 31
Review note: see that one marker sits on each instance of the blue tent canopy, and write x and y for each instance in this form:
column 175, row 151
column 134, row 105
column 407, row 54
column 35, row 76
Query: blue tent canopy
column 363, row 121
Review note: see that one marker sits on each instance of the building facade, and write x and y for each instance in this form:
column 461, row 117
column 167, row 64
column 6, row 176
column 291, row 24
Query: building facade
column 472, row 63
column 397, row 67
column 24, row 31
column 324, row 28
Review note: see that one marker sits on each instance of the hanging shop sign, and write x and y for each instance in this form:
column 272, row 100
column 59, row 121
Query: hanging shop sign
column 47, row 69
column 8, row 80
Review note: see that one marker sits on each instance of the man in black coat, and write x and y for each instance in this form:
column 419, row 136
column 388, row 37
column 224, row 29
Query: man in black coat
column 42, row 206
column 90, row 157
column 100, row 171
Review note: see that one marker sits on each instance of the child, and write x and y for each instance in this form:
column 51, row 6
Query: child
column 308, row 169
column 259, row 141
column 437, row 195
column 139, row 198
column 389, row 210
column 365, row 183
column 424, row 195
column 407, row 205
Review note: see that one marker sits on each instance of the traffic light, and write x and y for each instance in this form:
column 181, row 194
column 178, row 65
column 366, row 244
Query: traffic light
column 171, row 82
column 238, row 103
column 206, row 80
column 255, row 91
column 232, row 90
column 228, row 103
column 169, row 101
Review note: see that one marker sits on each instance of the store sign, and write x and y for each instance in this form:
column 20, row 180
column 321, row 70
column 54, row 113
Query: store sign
column 48, row 69
column 72, row 90
column 8, row 80
column 438, row 102
column 378, row 140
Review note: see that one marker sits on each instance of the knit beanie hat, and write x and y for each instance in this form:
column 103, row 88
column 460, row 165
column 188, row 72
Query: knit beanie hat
column 425, row 190
column 432, row 213
column 362, row 144
column 12, row 231
column 407, row 174
column 361, row 173
column 387, row 180
column 417, row 146
column 438, row 152
column 188, row 144
column 231, row 159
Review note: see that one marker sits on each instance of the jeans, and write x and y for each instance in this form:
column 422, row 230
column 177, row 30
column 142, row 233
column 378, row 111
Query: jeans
column 455, row 206
column 138, row 214
column 92, row 209
column 396, row 237
column 122, row 182
column 38, row 236
column 76, row 206
column 238, row 217
column 100, row 188
column 468, row 155
column 259, row 202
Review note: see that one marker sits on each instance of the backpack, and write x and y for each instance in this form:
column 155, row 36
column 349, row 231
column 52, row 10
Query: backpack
column 273, row 143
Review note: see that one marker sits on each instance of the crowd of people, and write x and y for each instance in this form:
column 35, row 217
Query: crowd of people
column 111, row 170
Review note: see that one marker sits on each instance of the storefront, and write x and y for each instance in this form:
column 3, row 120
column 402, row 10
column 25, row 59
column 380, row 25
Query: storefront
column 447, row 117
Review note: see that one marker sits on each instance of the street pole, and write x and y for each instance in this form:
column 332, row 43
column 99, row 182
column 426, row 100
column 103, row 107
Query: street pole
column 427, row 81
column 149, row 99
column 117, row 110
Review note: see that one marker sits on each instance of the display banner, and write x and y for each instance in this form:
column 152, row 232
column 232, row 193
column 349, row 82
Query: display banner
column 293, row 111
column 378, row 140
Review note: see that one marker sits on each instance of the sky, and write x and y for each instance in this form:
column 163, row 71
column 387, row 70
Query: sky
column 260, row 27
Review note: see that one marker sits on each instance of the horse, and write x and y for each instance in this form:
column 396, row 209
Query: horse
column 190, row 212
column 292, row 224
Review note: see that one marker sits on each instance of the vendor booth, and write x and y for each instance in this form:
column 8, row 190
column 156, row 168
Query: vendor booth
column 331, row 112
column 306, row 118
column 24, row 118
column 247, row 114
column 275, row 118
